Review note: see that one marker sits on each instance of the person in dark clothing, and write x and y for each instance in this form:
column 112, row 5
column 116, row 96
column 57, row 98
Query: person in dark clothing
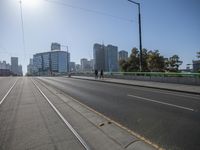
column 96, row 74
column 101, row 74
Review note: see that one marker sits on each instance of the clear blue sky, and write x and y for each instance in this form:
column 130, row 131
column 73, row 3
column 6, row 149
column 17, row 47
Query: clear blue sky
column 171, row 26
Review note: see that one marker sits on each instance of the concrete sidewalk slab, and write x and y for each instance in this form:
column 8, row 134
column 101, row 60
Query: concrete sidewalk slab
column 157, row 85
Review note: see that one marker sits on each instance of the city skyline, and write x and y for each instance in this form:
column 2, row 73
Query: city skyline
column 164, row 30
column 11, row 68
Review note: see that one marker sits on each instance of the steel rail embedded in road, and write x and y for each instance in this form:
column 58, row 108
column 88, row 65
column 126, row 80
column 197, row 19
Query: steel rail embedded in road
column 8, row 92
column 80, row 139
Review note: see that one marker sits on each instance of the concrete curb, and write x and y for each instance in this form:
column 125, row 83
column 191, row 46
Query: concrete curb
column 189, row 92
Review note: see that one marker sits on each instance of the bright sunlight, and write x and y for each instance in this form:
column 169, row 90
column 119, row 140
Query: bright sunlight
column 31, row 3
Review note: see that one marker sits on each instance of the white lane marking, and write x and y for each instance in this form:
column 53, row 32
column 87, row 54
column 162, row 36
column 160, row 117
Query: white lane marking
column 163, row 103
column 166, row 93
column 80, row 139
column 8, row 92
column 170, row 93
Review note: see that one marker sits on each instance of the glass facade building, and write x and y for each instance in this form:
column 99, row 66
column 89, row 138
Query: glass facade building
column 99, row 57
column 53, row 62
column 111, row 58
column 105, row 57
column 123, row 55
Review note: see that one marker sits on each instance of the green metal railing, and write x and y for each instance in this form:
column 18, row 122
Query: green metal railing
column 146, row 74
column 156, row 74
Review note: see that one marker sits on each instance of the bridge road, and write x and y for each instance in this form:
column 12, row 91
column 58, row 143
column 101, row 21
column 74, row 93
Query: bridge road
column 169, row 119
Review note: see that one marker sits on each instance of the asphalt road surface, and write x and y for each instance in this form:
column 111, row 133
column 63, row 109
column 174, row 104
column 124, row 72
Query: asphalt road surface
column 169, row 119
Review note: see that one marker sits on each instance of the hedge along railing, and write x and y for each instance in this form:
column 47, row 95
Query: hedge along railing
column 155, row 74
column 146, row 74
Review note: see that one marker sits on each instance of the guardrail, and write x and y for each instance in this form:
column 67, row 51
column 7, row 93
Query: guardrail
column 148, row 74
column 167, row 77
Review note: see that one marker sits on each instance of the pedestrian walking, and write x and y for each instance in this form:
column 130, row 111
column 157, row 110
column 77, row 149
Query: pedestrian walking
column 96, row 74
column 101, row 74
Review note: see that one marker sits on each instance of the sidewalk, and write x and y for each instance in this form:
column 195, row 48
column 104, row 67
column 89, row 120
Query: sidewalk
column 157, row 85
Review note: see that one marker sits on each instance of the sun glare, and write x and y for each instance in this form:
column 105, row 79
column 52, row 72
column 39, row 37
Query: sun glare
column 31, row 3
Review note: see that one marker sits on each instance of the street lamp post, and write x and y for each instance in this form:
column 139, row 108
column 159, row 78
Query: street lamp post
column 140, row 31
column 66, row 46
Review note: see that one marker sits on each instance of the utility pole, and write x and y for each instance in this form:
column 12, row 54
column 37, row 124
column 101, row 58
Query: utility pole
column 140, row 31
column 68, row 61
column 22, row 26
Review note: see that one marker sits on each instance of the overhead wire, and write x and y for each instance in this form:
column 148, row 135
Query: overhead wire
column 22, row 27
column 89, row 10
column 67, row 5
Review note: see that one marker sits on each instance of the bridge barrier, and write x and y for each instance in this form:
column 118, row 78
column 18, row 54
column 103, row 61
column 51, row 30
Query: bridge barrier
column 179, row 78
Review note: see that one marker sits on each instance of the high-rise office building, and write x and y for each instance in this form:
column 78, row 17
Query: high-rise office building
column 72, row 66
column 111, row 58
column 84, row 64
column 87, row 65
column 5, row 69
column 123, row 55
column 51, row 62
column 37, row 63
column 91, row 62
column 4, row 65
column 99, row 56
column 20, row 72
column 55, row 46
column 105, row 57
column 196, row 65
column 14, row 65
column 30, row 67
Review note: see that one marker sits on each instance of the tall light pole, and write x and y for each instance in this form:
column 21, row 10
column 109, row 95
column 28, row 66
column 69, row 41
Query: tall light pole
column 140, row 31
column 68, row 61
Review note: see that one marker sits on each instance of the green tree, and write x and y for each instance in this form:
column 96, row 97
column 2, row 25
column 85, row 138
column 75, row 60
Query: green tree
column 174, row 63
column 133, row 61
column 155, row 61
column 144, row 60
column 123, row 65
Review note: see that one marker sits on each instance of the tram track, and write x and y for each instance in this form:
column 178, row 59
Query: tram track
column 75, row 133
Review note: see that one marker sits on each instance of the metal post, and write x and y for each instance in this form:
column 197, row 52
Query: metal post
column 140, row 32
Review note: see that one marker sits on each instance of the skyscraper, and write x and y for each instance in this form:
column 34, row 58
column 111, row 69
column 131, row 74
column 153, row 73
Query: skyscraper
column 14, row 65
column 123, row 55
column 55, row 46
column 86, row 65
column 20, row 72
column 99, row 56
column 196, row 65
column 30, row 67
column 72, row 66
column 111, row 58
column 5, row 69
column 105, row 57
column 51, row 62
